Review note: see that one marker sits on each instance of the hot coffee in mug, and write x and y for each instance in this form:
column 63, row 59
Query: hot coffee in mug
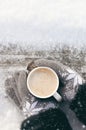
column 43, row 82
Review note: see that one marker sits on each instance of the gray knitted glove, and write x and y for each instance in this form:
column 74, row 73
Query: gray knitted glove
column 17, row 90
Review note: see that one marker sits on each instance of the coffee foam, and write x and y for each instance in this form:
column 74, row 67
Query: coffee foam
column 42, row 82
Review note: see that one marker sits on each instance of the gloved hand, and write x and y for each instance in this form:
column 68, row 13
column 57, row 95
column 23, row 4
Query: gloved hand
column 78, row 104
column 52, row 119
column 17, row 90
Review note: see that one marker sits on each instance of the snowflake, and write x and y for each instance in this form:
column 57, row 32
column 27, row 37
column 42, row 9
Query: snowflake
column 31, row 109
column 79, row 103
column 83, row 126
column 75, row 76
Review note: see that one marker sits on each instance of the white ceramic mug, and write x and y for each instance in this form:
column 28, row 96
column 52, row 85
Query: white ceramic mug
column 54, row 93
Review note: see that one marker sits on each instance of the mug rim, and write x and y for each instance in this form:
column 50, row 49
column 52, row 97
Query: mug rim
column 50, row 69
